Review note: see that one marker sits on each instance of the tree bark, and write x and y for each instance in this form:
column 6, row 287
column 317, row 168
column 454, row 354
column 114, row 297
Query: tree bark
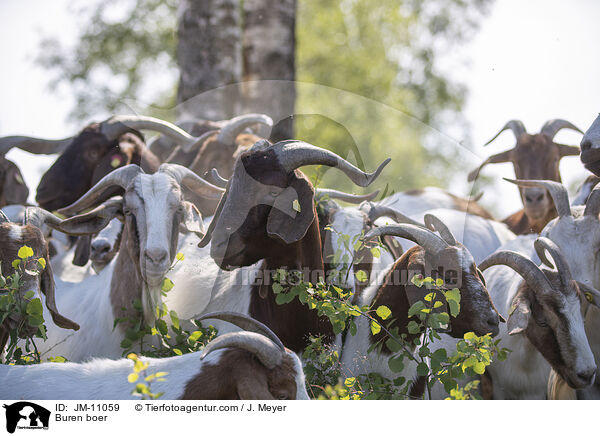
column 269, row 60
column 209, row 58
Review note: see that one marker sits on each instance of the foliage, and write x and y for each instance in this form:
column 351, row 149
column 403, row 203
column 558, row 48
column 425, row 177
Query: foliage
column 24, row 307
column 143, row 380
column 163, row 339
column 473, row 353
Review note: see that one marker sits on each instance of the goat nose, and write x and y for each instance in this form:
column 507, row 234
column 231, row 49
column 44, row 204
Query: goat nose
column 100, row 247
column 587, row 375
column 156, row 255
column 585, row 145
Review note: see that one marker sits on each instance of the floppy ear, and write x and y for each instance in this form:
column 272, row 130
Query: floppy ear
column 94, row 221
column 519, row 315
column 590, row 294
column 83, row 248
column 292, row 212
column 191, row 220
column 47, row 285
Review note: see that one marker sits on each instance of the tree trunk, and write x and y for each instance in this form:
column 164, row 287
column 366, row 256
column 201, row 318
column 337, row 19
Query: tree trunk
column 209, row 57
column 268, row 60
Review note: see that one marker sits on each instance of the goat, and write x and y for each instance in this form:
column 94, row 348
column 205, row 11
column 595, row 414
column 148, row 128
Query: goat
column 153, row 211
column 268, row 212
column 94, row 152
column 435, row 256
column 585, row 190
column 590, row 144
column 533, row 157
column 546, row 307
column 13, row 236
column 248, row 365
column 576, row 231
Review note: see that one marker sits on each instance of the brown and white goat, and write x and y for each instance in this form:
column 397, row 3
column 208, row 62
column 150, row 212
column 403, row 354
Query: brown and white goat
column 248, row 365
column 533, row 157
column 434, row 256
column 13, row 236
column 268, row 212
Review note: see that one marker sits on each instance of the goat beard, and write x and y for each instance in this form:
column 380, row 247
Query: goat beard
column 151, row 302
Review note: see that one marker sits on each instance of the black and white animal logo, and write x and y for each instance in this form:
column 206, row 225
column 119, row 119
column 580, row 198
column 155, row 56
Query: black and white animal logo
column 26, row 415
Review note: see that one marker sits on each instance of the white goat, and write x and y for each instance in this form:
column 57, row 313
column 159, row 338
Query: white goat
column 248, row 365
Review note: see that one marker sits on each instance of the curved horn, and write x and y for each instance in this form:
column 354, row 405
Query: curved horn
column 199, row 143
column 37, row 217
column 334, row 194
column 3, row 218
column 543, row 245
column 435, row 224
column 188, row 178
column 516, row 126
column 221, row 182
column 592, row 204
column 503, row 157
column 117, row 125
column 263, row 348
column 213, row 223
column 245, row 323
column 423, row 237
column 294, row 154
column 120, row 177
column 376, row 211
column 526, row 268
column 552, row 127
column 557, row 191
column 34, row 145
column 236, row 125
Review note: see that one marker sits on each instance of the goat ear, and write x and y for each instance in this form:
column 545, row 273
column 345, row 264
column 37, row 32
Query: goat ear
column 292, row 212
column 191, row 220
column 518, row 317
column 47, row 285
column 83, row 248
column 254, row 388
column 590, row 294
column 93, row 221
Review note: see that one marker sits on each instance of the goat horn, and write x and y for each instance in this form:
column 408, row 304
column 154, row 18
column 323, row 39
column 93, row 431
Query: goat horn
column 34, row 145
column 592, row 204
column 37, row 217
column 245, row 323
column 557, row 191
column 334, row 194
column 117, row 125
column 294, row 154
column 435, row 224
column 188, row 178
column 503, row 157
column 213, row 223
column 543, row 245
column 375, row 211
column 263, row 348
column 419, row 235
column 219, row 181
column 533, row 276
column 552, row 127
column 120, row 177
column 516, row 126
column 236, row 125
column 3, row 218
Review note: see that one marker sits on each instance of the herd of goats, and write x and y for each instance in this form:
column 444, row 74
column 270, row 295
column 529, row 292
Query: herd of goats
column 111, row 220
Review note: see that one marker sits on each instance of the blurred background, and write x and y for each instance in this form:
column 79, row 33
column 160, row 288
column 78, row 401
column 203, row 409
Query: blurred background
column 424, row 82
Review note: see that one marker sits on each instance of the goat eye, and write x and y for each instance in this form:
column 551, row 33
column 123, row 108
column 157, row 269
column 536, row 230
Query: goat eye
column 282, row 397
column 274, row 193
column 127, row 211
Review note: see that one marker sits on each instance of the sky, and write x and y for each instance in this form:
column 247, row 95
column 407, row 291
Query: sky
column 531, row 60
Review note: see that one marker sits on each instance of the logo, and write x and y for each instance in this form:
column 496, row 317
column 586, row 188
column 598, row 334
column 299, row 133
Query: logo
column 26, row 415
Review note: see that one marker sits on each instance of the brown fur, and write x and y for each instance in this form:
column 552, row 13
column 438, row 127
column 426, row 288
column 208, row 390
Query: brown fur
column 13, row 189
column 520, row 224
column 239, row 375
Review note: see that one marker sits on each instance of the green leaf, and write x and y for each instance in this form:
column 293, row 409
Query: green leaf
column 350, row 381
column 25, row 252
column 296, row 206
column 180, row 256
column 161, row 325
column 479, row 368
column 177, row 351
column 422, row 369
column 34, row 307
column 413, row 327
column 174, row 319
column 167, row 285
column 437, row 304
column 133, row 377
column 375, row 252
column 396, row 364
column 361, row 276
column 375, row 328
column 15, row 263
column 29, row 295
column 383, row 312
column 42, row 262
